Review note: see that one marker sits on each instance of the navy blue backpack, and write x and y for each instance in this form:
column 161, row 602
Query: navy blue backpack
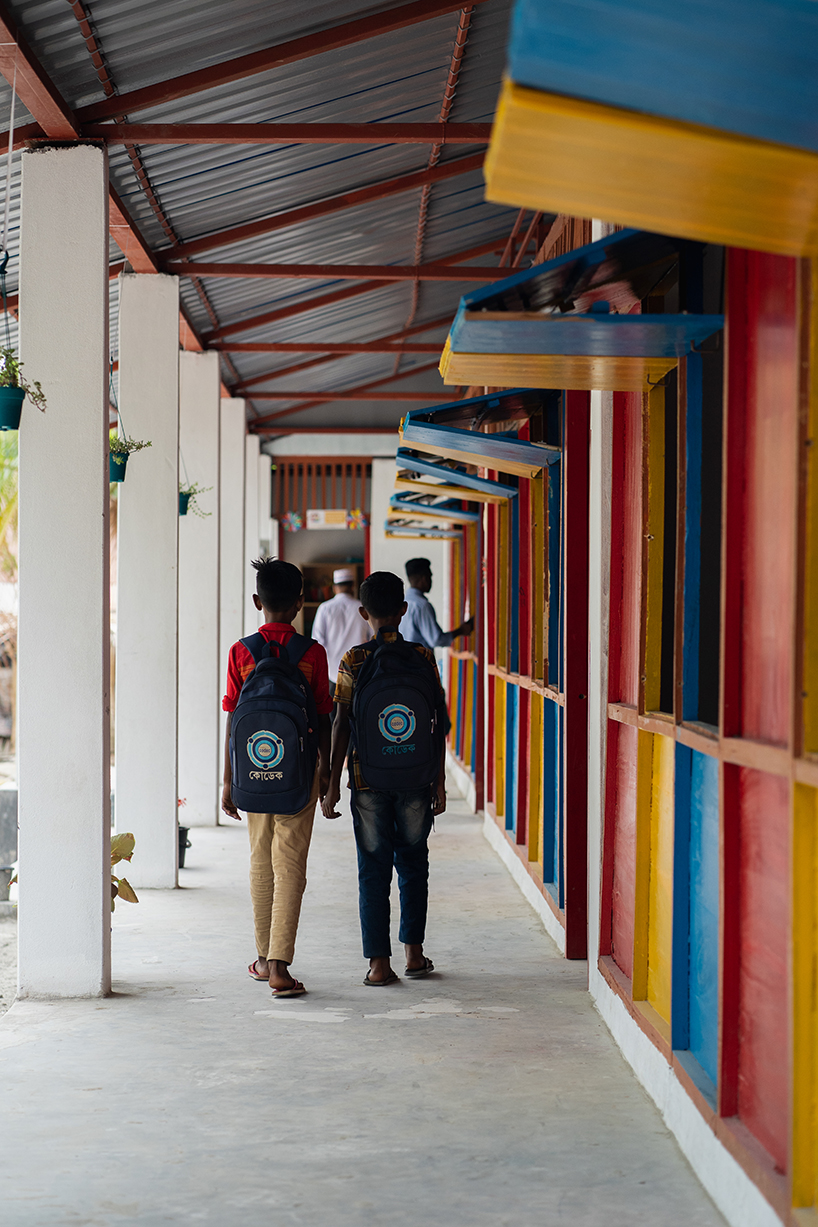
column 274, row 733
column 397, row 723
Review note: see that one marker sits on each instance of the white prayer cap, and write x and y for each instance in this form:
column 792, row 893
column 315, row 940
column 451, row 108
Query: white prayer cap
column 344, row 575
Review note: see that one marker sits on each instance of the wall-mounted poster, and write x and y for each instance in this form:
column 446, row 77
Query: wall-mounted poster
column 326, row 517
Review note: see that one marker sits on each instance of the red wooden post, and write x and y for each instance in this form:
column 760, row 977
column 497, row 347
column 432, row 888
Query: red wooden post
column 480, row 669
column 575, row 485
column 524, row 654
column 524, row 580
column 491, row 636
column 618, row 495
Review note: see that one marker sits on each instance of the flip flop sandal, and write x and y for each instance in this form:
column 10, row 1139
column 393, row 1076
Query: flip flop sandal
column 251, row 971
column 417, row 973
column 295, row 990
column 390, row 979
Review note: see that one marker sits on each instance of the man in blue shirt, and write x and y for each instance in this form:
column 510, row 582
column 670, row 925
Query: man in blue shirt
column 419, row 623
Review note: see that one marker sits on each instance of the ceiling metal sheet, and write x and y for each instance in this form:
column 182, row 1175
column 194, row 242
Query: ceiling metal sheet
column 206, row 189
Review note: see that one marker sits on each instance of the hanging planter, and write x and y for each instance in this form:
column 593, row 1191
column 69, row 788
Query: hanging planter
column 14, row 388
column 187, row 499
column 11, row 407
column 117, row 464
column 120, row 449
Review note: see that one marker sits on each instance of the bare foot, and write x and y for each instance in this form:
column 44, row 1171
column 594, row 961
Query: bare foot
column 379, row 970
column 277, row 971
column 415, row 958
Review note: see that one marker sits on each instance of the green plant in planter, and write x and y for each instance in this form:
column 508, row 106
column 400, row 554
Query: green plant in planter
column 188, row 495
column 122, row 847
column 120, row 448
column 14, row 388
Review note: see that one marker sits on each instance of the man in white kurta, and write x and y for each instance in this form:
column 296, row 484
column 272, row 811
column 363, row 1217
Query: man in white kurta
column 338, row 626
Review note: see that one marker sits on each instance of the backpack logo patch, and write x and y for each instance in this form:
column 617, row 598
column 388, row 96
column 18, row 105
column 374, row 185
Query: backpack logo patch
column 266, row 750
column 397, row 724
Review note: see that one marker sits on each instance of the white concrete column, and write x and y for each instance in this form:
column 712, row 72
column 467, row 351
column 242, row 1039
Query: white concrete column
column 252, row 545
column 199, row 665
column 147, row 597
column 64, row 637
column 267, row 546
column 231, row 514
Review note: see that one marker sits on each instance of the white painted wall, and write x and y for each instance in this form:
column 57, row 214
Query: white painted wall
column 147, row 601
column 199, row 596
column 268, row 546
column 330, row 444
column 231, row 542
column 63, row 696
column 252, row 538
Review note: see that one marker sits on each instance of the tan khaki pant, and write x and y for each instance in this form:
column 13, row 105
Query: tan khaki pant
column 279, row 844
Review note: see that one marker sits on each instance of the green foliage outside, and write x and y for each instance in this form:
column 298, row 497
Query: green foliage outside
column 8, row 506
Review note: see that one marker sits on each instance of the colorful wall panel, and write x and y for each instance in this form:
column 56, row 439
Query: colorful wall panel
column 655, row 114
column 695, row 1018
column 535, row 657
column 763, row 1048
column 709, row 925
column 659, row 765
column 764, row 343
column 620, row 821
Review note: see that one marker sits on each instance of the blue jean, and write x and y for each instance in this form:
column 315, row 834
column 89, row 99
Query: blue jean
column 392, row 828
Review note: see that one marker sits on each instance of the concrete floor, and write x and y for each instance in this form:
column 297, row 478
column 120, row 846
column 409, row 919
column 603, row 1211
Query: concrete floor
column 490, row 1094
column 8, row 961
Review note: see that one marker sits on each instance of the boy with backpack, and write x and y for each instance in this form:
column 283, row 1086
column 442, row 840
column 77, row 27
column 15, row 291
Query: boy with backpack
column 276, row 762
column 390, row 701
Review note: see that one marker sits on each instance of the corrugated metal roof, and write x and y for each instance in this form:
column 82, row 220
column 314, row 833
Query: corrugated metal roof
column 203, row 190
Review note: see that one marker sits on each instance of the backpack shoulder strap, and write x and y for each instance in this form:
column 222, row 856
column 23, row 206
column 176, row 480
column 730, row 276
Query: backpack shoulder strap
column 257, row 646
column 297, row 646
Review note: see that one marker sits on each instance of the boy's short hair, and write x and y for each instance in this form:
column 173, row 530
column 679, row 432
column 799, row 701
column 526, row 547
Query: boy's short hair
column 278, row 583
column 382, row 594
column 418, row 566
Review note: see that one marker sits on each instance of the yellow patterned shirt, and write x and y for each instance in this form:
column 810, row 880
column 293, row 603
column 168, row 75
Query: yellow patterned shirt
column 345, row 687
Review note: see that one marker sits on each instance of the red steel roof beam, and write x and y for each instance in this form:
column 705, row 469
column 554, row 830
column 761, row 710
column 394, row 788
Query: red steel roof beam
column 344, row 35
column 534, row 223
column 362, row 392
column 328, row 347
column 34, row 88
column 56, row 120
column 323, row 208
column 509, row 247
column 437, row 148
column 240, row 388
column 284, row 431
column 337, row 272
column 330, row 350
column 350, row 395
column 324, row 300
column 283, row 134
column 283, row 313
column 288, row 346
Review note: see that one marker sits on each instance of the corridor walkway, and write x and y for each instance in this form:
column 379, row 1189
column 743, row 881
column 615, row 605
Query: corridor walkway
column 490, row 1095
